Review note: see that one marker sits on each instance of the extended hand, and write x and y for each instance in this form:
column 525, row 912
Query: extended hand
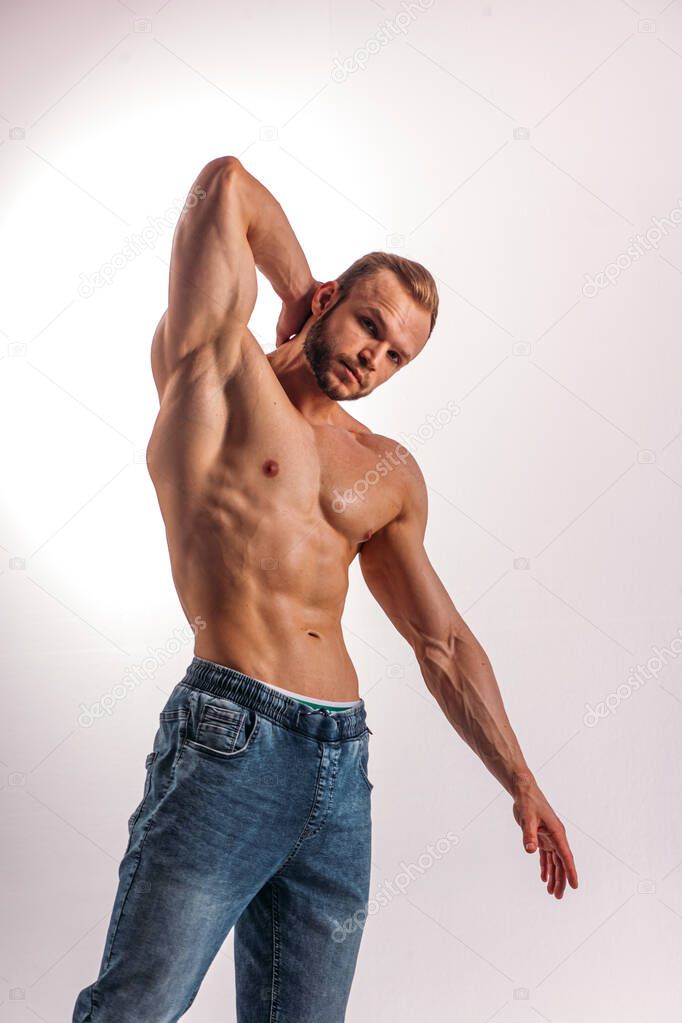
column 294, row 314
column 542, row 829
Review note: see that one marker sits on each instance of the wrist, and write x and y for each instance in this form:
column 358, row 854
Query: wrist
column 299, row 290
column 522, row 781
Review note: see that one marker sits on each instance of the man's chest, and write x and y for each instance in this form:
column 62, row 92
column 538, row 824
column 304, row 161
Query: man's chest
column 289, row 468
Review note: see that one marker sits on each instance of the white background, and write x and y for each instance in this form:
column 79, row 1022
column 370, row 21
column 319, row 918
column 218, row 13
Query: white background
column 513, row 149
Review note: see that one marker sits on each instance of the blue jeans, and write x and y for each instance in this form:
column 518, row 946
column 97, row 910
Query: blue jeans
column 255, row 814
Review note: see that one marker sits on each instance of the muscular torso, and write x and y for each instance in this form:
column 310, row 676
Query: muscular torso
column 261, row 532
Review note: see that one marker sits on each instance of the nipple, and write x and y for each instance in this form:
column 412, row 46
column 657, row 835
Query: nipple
column 270, row 468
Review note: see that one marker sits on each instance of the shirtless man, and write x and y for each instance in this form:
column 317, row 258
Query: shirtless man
column 255, row 812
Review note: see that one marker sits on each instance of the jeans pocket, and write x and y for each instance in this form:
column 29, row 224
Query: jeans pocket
column 221, row 728
column 151, row 757
column 168, row 742
column 363, row 759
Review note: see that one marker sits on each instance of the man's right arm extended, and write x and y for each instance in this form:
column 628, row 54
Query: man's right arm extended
column 230, row 225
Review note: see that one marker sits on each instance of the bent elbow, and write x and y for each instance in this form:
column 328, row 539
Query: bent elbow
column 221, row 167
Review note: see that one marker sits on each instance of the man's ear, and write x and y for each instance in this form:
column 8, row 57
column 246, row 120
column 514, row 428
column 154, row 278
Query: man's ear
column 325, row 297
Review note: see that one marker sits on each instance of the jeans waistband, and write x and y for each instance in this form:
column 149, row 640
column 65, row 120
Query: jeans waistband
column 222, row 681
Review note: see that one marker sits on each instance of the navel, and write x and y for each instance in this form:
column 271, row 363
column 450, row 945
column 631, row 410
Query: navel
column 270, row 468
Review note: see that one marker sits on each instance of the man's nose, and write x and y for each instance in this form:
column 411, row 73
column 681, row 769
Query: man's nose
column 367, row 359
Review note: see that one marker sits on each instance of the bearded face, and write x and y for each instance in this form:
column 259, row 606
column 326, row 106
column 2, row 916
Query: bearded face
column 365, row 337
column 325, row 358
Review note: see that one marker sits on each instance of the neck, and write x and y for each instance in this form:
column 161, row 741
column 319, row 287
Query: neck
column 293, row 371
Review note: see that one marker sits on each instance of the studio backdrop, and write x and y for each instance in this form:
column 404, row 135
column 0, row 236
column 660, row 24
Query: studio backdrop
column 528, row 153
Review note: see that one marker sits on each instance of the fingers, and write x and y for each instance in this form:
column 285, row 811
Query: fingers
column 560, row 875
column 553, row 872
column 565, row 854
column 556, row 860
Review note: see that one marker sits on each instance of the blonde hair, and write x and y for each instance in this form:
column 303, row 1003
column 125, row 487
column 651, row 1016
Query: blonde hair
column 416, row 279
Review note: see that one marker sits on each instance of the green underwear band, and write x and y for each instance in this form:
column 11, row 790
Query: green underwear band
column 316, row 704
column 326, row 706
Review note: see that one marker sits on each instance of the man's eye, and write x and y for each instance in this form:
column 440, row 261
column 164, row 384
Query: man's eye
column 397, row 356
column 366, row 320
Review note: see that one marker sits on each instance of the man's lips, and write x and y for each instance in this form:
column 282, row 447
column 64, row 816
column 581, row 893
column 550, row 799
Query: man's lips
column 353, row 372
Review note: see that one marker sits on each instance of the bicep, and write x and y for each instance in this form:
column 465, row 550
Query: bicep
column 401, row 578
column 404, row 583
column 212, row 287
